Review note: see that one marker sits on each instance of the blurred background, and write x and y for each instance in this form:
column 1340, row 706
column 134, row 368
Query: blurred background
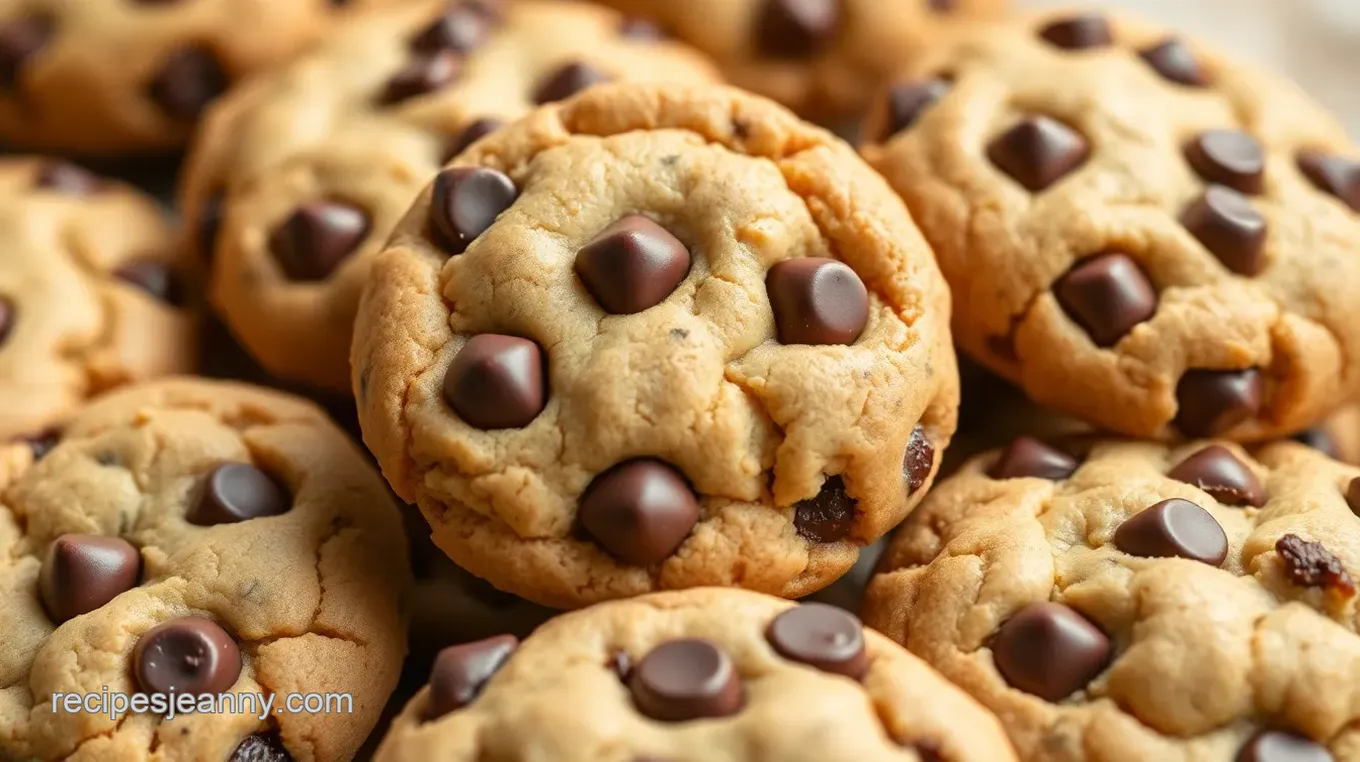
column 1316, row 42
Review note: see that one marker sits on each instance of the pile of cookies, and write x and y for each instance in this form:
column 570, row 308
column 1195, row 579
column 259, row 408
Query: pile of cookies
column 511, row 368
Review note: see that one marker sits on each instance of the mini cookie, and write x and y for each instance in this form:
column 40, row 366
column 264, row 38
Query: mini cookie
column 297, row 179
column 198, row 537
column 89, row 296
column 1137, row 231
column 1134, row 601
column 692, row 675
column 821, row 57
column 656, row 337
column 113, row 76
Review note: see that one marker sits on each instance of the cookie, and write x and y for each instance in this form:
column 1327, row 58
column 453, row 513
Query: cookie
column 113, row 76
column 1138, row 601
column 297, row 179
column 692, row 675
column 823, row 58
column 655, row 338
column 198, row 537
column 1137, row 231
column 90, row 297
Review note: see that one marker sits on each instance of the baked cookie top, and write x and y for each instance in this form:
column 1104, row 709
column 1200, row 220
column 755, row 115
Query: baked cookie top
column 197, row 537
column 298, row 177
column 1135, row 601
column 89, row 294
column 113, row 76
column 656, row 337
column 692, row 675
column 820, row 57
column 1136, row 230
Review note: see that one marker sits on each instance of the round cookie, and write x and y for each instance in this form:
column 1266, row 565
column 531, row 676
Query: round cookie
column 114, row 76
column 297, row 179
column 732, row 368
column 89, row 295
column 1137, row 231
column 198, row 537
column 1135, row 601
column 627, row 680
column 823, row 58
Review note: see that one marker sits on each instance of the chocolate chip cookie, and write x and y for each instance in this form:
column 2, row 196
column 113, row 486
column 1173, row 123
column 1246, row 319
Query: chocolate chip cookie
column 113, row 76
column 1137, row 231
column 296, row 181
column 656, row 337
column 692, row 675
column 1137, row 601
column 824, row 58
column 89, row 293
column 197, row 537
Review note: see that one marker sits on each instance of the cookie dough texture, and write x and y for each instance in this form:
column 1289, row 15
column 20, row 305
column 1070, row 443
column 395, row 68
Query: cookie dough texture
column 699, row 381
column 325, row 130
column 87, row 286
column 1293, row 325
column 559, row 696
column 824, row 58
column 313, row 597
column 1204, row 656
column 113, row 76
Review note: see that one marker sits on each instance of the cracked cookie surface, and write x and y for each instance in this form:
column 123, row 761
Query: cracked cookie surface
column 203, row 537
column 1137, row 231
column 297, row 179
column 1132, row 601
column 89, row 294
column 765, row 395
column 624, row 681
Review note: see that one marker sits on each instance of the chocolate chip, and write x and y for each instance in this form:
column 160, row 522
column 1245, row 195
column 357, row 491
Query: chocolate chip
column 1281, row 746
column 1038, row 152
column 908, row 100
column 1107, row 295
column 1027, row 457
column 236, row 492
column 186, row 655
column 8, row 315
column 796, row 28
column 316, row 238
column 156, row 278
column 68, row 179
column 42, row 443
column 1353, row 495
column 497, row 382
column 1213, row 401
column 567, row 81
column 1173, row 528
column 461, row 29
column 466, row 201
column 621, row 663
column 82, row 572
column 821, row 636
column 632, row 265
column 1174, row 60
column 471, row 134
column 209, row 225
column 1081, row 32
column 1050, row 651
column 1337, row 175
column 1309, row 564
column 641, row 30
column 829, row 516
column 188, row 81
column 461, row 672
column 687, row 679
column 423, row 75
column 920, row 458
column 20, row 40
column 817, row 301
column 640, row 511
column 1230, row 228
column 929, row 750
column 1319, row 439
column 1218, row 472
column 261, row 747
column 1228, row 157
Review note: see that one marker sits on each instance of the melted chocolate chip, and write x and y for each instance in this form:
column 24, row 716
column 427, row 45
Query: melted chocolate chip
column 919, row 460
column 821, row 636
column 829, row 516
column 186, row 655
column 261, row 747
column 1309, row 564
column 684, row 680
